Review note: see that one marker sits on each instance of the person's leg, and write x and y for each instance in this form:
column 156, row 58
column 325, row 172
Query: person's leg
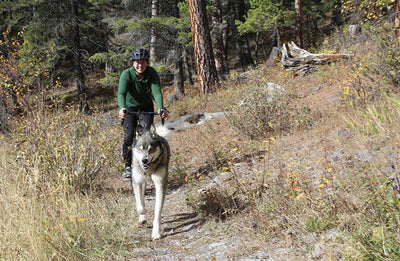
column 147, row 122
column 148, row 119
column 130, row 124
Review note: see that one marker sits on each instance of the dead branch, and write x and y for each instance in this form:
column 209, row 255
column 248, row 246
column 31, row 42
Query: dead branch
column 293, row 58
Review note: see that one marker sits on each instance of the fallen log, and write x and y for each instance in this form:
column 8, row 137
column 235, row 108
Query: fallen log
column 293, row 58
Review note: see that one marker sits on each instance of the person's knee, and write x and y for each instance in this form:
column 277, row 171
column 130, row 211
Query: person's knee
column 129, row 139
column 148, row 122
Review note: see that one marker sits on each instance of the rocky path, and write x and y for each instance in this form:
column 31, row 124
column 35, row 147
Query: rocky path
column 187, row 236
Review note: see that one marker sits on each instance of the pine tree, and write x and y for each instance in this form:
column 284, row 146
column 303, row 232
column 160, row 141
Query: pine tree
column 206, row 71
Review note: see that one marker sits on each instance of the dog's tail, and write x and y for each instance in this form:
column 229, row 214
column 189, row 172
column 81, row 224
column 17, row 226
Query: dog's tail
column 163, row 131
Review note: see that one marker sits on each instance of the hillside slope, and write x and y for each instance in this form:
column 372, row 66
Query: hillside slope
column 304, row 158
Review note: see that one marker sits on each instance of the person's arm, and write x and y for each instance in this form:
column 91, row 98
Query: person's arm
column 157, row 94
column 123, row 88
column 156, row 90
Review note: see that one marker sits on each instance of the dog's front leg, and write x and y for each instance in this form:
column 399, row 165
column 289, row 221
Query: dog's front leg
column 160, row 184
column 139, row 190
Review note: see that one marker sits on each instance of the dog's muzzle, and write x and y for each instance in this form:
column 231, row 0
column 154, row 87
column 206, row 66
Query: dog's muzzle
column 146, row 163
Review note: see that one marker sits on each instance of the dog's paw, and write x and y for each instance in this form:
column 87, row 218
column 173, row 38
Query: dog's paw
column 156, row 232
column 156, row 235
column 142, row 219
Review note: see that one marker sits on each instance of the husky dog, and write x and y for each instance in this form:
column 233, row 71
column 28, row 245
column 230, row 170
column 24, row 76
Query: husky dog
column 150, row 161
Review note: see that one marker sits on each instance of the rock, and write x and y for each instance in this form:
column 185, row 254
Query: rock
column 172, row 99
column 336, row 156
column 355, row 29
column 364, row 156
column 344, row 135
column 319, row 250
column 192, row 119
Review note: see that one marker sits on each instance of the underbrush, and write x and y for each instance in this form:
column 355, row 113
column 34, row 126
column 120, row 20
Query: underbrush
column 337, row 197
column 52, row 165
column 267, row 109
column 64, row 151
column 340, row 191
column 377, row 235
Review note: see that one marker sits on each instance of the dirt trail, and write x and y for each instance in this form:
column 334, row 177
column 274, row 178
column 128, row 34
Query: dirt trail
column 187, row 236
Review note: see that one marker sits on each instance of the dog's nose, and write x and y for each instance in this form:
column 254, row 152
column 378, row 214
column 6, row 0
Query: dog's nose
column 145, row 161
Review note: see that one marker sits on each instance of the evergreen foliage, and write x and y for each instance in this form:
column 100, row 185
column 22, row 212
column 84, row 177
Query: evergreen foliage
column 265, row 16
column 111, row 29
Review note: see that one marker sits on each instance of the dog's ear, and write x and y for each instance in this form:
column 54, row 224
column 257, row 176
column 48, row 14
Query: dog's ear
column 152, row 129
column 151, row 132
column 140, row 130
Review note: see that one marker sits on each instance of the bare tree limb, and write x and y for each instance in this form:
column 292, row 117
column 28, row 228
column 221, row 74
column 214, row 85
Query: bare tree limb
column 293, row 58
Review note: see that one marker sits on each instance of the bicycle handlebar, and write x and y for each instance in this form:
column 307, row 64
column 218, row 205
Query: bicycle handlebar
column 144, row 113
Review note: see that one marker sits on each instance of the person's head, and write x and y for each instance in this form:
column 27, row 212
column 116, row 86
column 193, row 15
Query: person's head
column 140, row 60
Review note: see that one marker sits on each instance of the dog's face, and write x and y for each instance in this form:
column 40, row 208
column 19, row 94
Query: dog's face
column 147, row 150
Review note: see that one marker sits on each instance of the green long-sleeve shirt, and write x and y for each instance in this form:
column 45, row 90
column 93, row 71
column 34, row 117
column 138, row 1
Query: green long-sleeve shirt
column 139, row 93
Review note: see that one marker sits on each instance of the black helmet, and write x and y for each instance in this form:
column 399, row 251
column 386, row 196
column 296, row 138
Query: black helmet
column 140, row 54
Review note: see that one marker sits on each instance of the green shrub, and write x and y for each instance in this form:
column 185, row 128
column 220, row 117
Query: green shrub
column 268, row 109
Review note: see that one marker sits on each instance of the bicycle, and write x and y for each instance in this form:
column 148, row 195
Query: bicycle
column 140, row 116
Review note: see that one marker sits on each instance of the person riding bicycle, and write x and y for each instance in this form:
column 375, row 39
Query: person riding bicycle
column 138, row 86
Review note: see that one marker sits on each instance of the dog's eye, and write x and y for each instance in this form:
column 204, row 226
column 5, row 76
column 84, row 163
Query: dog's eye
column 152, row 149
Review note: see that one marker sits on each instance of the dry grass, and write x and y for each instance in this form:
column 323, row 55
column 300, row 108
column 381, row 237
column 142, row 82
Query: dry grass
column 329, row 184
column 51, row 169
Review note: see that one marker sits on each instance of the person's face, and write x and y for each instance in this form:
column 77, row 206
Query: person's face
column 140, row 65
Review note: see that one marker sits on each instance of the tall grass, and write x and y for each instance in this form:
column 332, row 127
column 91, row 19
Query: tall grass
column 54, row 162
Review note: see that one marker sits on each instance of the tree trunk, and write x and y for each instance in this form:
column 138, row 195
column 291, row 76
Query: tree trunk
column 397, row 20
column 154, row 13
column 76, row 49
column 205, row 64
column 178, row 51
column 218, row 40
column 178, row 78
column 4, row 115
column 256, row 47
column 187, row 64
column 225, row 33
column 299, row 31
column 273, row 57
column 242, row 56
column 277, row 37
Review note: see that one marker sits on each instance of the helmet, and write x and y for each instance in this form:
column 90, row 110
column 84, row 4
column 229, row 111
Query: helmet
column 140, row 54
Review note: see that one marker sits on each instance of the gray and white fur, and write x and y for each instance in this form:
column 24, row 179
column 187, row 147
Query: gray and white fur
column 151, row 155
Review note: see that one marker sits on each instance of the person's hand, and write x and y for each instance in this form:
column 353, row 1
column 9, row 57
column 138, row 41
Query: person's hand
column 163, row 112
column 122, row 112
